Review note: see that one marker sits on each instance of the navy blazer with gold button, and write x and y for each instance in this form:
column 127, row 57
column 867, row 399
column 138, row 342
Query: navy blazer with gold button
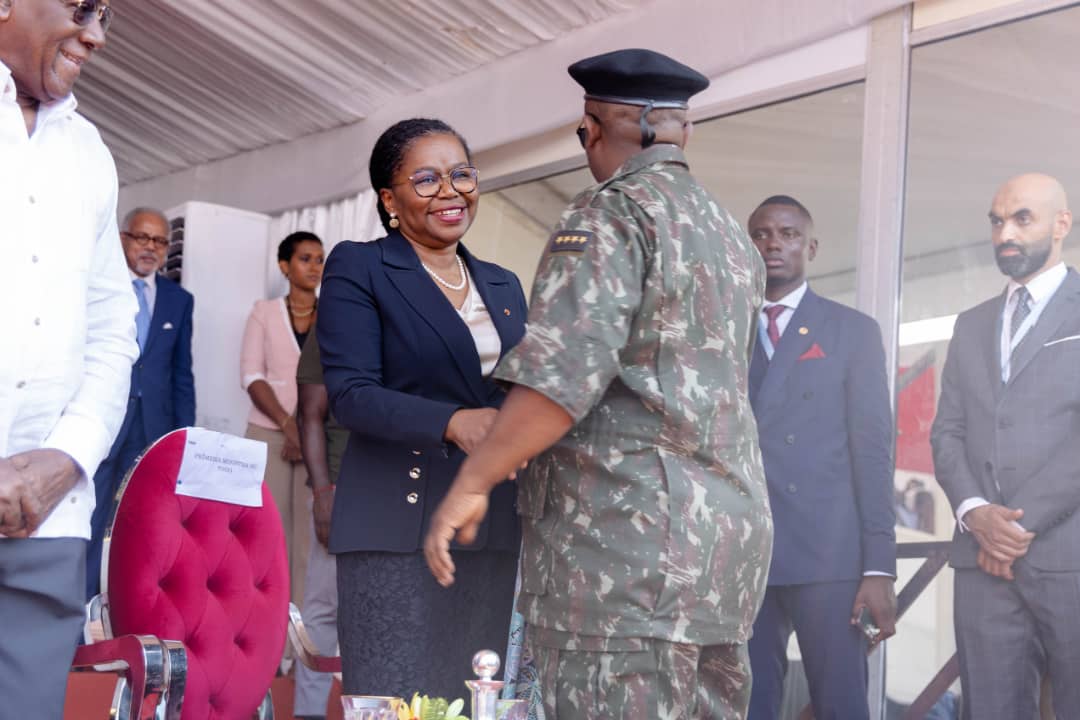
column 398, row 361
column 825, row 430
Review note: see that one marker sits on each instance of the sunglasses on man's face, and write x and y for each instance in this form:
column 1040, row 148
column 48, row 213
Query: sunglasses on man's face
column 582, row 132
column 85, row 11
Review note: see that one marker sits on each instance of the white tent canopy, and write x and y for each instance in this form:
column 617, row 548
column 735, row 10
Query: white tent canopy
column 272, row 105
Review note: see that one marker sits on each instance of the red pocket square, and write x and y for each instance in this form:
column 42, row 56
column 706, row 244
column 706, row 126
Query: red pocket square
column 813, row 353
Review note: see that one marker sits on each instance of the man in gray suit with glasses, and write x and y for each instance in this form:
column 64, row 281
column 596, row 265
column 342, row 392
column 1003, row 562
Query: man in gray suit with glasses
column 1006, row 445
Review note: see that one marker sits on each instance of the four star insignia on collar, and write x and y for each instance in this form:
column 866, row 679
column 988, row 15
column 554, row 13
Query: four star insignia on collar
column 569, row 241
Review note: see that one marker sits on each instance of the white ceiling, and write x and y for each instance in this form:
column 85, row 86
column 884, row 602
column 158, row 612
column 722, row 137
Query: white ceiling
column 183, row 83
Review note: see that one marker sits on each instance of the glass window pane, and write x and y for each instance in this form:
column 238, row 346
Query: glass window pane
column 984, row 108
column 809, row 148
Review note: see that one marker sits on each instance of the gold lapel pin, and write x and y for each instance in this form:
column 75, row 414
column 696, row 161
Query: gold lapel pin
column 506, row 311
column 804, row 330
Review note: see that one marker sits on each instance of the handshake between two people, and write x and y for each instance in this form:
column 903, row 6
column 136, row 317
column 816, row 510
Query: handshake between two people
column 466, row 504
column 1001, row 537
column 499, row 444
column 468, row 428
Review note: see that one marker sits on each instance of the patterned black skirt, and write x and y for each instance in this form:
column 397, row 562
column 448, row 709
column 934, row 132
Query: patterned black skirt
column 401, row 632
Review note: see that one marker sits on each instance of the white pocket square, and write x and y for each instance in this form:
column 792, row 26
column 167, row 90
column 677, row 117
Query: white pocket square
column 1061, row 340
column 167, row 326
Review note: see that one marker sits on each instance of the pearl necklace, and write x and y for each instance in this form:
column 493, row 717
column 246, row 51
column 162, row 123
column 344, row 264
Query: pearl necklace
column 461, row 269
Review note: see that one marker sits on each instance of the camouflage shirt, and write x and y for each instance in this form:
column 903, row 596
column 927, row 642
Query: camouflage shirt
column 650, row 518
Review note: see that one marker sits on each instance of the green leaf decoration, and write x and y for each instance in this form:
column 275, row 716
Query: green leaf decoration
column 433, row 709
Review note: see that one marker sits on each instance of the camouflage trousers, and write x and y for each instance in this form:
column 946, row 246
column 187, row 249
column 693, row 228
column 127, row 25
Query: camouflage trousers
column 663, row 681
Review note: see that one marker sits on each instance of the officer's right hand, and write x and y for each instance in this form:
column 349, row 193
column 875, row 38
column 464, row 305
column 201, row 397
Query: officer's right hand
column 458, row 515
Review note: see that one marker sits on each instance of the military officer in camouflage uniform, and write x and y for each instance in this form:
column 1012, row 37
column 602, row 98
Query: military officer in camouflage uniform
column 647, row 533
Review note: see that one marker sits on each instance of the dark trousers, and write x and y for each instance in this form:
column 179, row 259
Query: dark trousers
column 41, row 601
column 833, row 651
column 1008, row 633
column 131, row 441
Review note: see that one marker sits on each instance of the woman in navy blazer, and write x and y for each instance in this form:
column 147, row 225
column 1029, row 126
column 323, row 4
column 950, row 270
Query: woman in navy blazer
column 410, row 327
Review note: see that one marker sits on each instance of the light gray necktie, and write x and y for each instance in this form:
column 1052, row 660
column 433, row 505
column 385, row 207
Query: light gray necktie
column 142, row 318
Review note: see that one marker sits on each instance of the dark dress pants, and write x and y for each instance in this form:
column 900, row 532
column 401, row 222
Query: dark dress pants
column 129, row 444
column 41, row 586
column 833, row 651
column 1008, row 633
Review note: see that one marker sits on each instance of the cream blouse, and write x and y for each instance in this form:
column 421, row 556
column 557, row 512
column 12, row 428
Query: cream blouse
column 476, row 317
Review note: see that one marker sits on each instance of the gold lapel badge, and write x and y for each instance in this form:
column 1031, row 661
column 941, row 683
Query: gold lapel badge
column 804, row 330
column 506, row 312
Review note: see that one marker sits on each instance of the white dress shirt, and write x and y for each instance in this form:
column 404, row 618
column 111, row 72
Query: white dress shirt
column 1042, row 287
column 68, row 325
column 790, row 302
column 151, row 288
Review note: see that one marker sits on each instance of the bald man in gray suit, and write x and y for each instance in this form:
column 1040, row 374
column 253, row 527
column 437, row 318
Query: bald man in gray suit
column 1006, row 445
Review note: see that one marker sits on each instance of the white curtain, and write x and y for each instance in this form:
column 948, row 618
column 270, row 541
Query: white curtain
column 351, row 218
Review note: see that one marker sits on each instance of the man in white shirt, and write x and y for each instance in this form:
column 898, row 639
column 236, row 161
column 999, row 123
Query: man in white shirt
column 68, row 336
column 1006, row 445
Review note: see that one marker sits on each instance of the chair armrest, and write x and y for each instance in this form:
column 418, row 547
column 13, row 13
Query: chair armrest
column 175, row 678
column 140, row 659
column 305, row 649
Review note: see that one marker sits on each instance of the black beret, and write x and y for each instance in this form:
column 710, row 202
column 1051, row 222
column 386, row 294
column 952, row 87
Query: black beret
column 637, row 77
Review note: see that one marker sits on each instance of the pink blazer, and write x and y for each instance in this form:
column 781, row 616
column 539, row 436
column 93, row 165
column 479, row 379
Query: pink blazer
column 270, row 353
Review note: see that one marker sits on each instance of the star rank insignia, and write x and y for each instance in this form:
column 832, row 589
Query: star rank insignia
column 569, row 241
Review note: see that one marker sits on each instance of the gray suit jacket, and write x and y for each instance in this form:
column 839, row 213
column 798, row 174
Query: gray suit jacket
column 1017, row 443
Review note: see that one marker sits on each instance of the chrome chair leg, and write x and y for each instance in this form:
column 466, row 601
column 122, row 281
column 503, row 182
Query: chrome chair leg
column 121, row 702
column 266, row 708
column 172, row 700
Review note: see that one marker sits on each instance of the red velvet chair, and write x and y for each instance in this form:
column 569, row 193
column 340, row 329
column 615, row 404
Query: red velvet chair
column 208, row 574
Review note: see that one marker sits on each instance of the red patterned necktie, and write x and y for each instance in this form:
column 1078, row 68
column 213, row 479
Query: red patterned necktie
column 772, row 312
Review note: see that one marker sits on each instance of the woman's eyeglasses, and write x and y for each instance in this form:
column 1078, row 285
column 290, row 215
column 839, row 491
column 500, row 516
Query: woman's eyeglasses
column 428, row 183
column 85, row 11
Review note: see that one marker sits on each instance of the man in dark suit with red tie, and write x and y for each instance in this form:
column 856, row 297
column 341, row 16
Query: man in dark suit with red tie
column 820, row 395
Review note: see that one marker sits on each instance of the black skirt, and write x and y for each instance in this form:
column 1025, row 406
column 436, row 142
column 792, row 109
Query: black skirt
column 401, row 632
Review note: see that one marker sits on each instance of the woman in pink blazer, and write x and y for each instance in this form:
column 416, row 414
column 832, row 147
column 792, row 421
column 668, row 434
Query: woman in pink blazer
column 275, row 332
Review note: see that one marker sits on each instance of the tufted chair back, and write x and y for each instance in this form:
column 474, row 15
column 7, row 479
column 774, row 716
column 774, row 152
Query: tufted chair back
column 211, row 574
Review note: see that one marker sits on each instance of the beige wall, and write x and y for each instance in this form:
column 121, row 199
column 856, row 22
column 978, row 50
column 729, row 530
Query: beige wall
column 934, row 12
column 504, row 235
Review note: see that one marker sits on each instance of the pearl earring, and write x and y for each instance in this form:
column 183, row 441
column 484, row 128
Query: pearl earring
column 394, row 223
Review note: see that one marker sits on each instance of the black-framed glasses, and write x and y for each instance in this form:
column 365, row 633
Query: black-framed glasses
column 428, row 183
column 142, row 239
column 582, row 130
column 86, row 10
